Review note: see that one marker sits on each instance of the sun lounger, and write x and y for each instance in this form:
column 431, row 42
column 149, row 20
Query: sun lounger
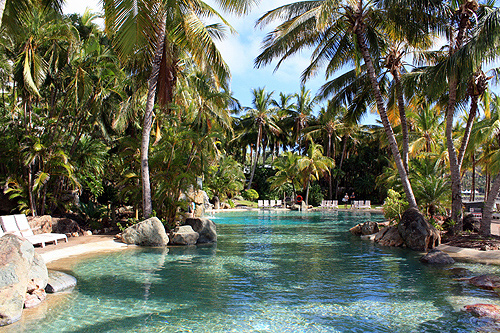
column 9, row 225
column 279, row 203
column 272, row 203
column 260, row 203
column 335, row 204
column 24, row 227
column 266, row 203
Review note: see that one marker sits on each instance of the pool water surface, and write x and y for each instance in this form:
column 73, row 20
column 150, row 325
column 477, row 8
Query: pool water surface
column 269, row 272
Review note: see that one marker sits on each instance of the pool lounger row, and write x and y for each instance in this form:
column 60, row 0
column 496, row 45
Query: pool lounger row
column 18, row 225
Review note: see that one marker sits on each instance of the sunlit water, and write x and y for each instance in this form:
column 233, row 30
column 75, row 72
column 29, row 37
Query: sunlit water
column 269, row 272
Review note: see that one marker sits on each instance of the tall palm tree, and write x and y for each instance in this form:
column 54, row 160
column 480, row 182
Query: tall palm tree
column 157, row 32
column 343, row 32
column 260, row 116
column 313, row 165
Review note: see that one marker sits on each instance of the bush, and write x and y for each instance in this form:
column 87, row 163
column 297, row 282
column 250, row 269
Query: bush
column 315, row 195
column 394, row 206
column 251, row 195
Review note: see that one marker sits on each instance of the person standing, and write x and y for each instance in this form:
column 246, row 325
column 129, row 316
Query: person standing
column 345, row 199
column 352, row 200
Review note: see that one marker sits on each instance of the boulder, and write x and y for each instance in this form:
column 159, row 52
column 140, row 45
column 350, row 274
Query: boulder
column 487, row 281
column 67, row 226
column 59, row 281
column 21, row 271
column 389, row 236
column 471, row 223
column 206, row 229
column 184, row 235
column 437, row 257
column 150, row 232
column 416, row 232
column 491, row 311
column 40, row 224
column 367, row 228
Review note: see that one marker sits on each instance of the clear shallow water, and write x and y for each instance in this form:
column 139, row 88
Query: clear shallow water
column 269, row 272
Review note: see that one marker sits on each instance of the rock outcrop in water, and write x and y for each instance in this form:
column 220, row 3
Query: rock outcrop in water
column 205, row 228
column 437, row 257
column 150, row 232
column 416, row 232
column 363, row 229
column 490, row 311
column 23, row 277
column 184, row 235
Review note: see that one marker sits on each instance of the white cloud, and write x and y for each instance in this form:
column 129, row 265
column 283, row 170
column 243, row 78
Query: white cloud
column 75, row 6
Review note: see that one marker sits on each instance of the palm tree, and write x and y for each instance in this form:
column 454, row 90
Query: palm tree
column 313, row 165
column 343, row 32
column 16, row 7
column 260, row 116
column 287, row 166
column 158, row 32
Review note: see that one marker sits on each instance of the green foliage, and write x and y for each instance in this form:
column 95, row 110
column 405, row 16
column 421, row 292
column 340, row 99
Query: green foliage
column 251, row 195
column 92, row 213
column 225, row 179
column 394, row 206
column 315, row 195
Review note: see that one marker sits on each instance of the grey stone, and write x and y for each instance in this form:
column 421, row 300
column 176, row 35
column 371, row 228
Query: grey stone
column 416, row 232
column 486, row 281
column 367, row 228
column 59, row 281
column 184, row 235
column 205, row 228
column 437, row 257
column 38, row 272
column 16, row 258
column 389, row 236
column 150, row 232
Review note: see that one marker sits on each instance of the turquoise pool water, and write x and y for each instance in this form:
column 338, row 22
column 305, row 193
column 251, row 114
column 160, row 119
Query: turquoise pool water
column 269, row 272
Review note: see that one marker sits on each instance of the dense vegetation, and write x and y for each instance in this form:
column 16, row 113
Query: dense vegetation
column 138, row 115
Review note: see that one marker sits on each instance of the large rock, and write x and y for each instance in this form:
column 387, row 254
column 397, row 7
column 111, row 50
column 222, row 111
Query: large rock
column 22, row 271
column 59, row 281
column 367, row 228
column 487, row 281
column 184, row 235
column 66, row 226
column 437, row 257
column 205, row 228
column 150, row 232
column 491, row 311
column 389, row 236
column 416, row 232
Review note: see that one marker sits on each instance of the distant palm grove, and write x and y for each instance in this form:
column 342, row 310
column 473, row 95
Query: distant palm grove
column 137, row 114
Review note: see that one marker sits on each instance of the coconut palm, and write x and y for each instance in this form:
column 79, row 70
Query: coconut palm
column 287, row 171
column 150, row 35
column 260, row 117
column 313, row 165
column 343, row 33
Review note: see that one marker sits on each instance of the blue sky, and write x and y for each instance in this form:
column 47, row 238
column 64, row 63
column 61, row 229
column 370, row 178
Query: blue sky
column 240, row 50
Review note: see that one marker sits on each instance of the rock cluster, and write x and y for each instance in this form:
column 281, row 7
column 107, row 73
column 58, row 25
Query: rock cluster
column 23, row 277
column 205, row 228
column 184, row 235
column 389, row 236
column 417, row 233
column 437, row 257
column 150, row 232
column 363, row 229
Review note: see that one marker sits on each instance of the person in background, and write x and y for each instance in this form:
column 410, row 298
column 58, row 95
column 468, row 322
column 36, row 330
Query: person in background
column 352, row 200
column 345, row 199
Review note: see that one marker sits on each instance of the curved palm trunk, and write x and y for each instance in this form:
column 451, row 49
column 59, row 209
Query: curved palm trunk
column 147, row 202
column 456, row 188
column 485, row 228
column 330, row 181
column 359, row 32
column 403, row 120
column 344, row 146
column 257, row 148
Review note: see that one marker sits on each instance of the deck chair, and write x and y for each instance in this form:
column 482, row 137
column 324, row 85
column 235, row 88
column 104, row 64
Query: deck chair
column 260, row 203
column 266, row 203
column 24, row 227
column 272, row 203
column 9, row 225
column 279, row 203
column 335, row 204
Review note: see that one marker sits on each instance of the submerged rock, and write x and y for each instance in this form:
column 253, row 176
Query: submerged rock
column 367, row 228
column 59, row 281
column 416, row 232
column 437, row 257
column 206, row 229
column 490, row 311
column 184, row 235
column 486, row 281
column 150, row 232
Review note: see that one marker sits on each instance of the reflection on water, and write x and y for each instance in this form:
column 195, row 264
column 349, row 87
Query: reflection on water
column 269, row 272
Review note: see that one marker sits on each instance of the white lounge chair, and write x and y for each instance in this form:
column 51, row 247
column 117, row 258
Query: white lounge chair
column 24, row 227
column 272, row 203
column 279, row 203
column 266, row 203
column 260, row 203
column 335, row 204
column 9, row 225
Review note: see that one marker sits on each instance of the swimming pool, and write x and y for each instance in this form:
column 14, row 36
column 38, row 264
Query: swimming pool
column 270, row 272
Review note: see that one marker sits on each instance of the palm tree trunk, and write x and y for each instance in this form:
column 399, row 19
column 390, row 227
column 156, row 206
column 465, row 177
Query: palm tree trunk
column 403, row 120
column 360, row 32
column 456, row 190
column 344, row 146
column 307, row 192
column 147, row 202
column 468, row 128
column 259, row 135
column 485, row 228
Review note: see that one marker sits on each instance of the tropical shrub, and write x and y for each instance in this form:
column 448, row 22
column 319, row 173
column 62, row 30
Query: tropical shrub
column 394, row 206
column 251, row 194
